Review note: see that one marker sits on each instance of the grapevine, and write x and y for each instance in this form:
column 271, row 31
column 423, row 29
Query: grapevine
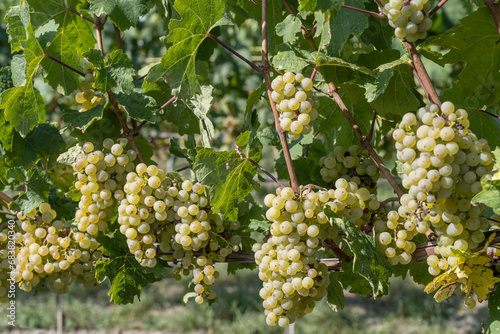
column 149, row 153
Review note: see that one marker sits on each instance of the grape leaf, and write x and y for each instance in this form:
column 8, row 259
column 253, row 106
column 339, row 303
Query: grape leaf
column 138, row 106
column 5, row 79
column 126, row 275
column 335, row 294
column 45, row 137
column 478, row 82
column 17, row 19
column 345, row 23
column 18, row 68
column 393, row 93
column 62, row 35
column 37, row 188
column 494, row 308
column 24, row 107
column 187, row 34
column 115, row 71
column 84, row 119
column 123, row 13
column 237, row 174
column 286, row 60
column 289, row 28
column 485, row 126
column 307, row 5
column 369, row 260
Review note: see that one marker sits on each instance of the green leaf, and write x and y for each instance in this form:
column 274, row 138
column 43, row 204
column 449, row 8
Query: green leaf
column 62, row 35
column 235, row 173
column 123, row 13
column 45, row 137
column 345, row 23
column 335, row 295
column 478, row 82
column 84, row 119
column 289, row 28
column 369, row 260
column 37, row 188
column 5, row 79
column 494, row 308
column 485, row 126
column 347, row 278
column 138, row 106
column 24, row 107
column 146, row 150
column 187, row 34
column 393, row 93
column 18, row 68
column 307, row 5
column 69, row 157
column 116, row 71
column 126, row 275
column 287, row 60
column 17, row 19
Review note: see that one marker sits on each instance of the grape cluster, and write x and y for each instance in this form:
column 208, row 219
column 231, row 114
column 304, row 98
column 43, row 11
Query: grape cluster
column 297, row 107
column 88, row 97
column 293, row 279
column 411, row 21
column 443, row 163
column 47, row 251
column 101, row 177
column 158, row 210
column 353, row 178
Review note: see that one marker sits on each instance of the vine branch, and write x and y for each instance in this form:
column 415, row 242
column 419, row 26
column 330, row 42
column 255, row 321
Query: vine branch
column 377, row 15
column 80, row 14
column 234, row 52
column 118, row 38
column 489, row 113
column 494, row 8
column 363, row 139
column 127, row 133
column 438, row 6
column 267, row 78
column 64, row 64
column 422, row 75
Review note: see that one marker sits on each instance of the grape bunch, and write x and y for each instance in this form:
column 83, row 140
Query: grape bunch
column 175, row 216
column 296, row 104
column 293, row 279
column 411, row 21
column 353, row 178
column 48, row 252
column 88, row 97
column 101, row 177
column 443, row 163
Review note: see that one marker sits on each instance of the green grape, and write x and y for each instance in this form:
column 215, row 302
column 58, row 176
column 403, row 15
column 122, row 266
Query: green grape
column 293, row 280
column 295, row 103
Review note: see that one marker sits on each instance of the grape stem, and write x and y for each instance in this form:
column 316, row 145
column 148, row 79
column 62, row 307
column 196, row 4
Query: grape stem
column 253, row 162
column 377, row 15
column 127, row 133
column 234, row 52
column 63, row 64
column 98, row 28
column 306, row 33
column 422, row 74
column 438, row 6
column 79, row 14
column 489, row 113
column 494, row 8
column 380, row 6
column 267, row 78
column 118, row 37
column 331, row 245
column 363, row 139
